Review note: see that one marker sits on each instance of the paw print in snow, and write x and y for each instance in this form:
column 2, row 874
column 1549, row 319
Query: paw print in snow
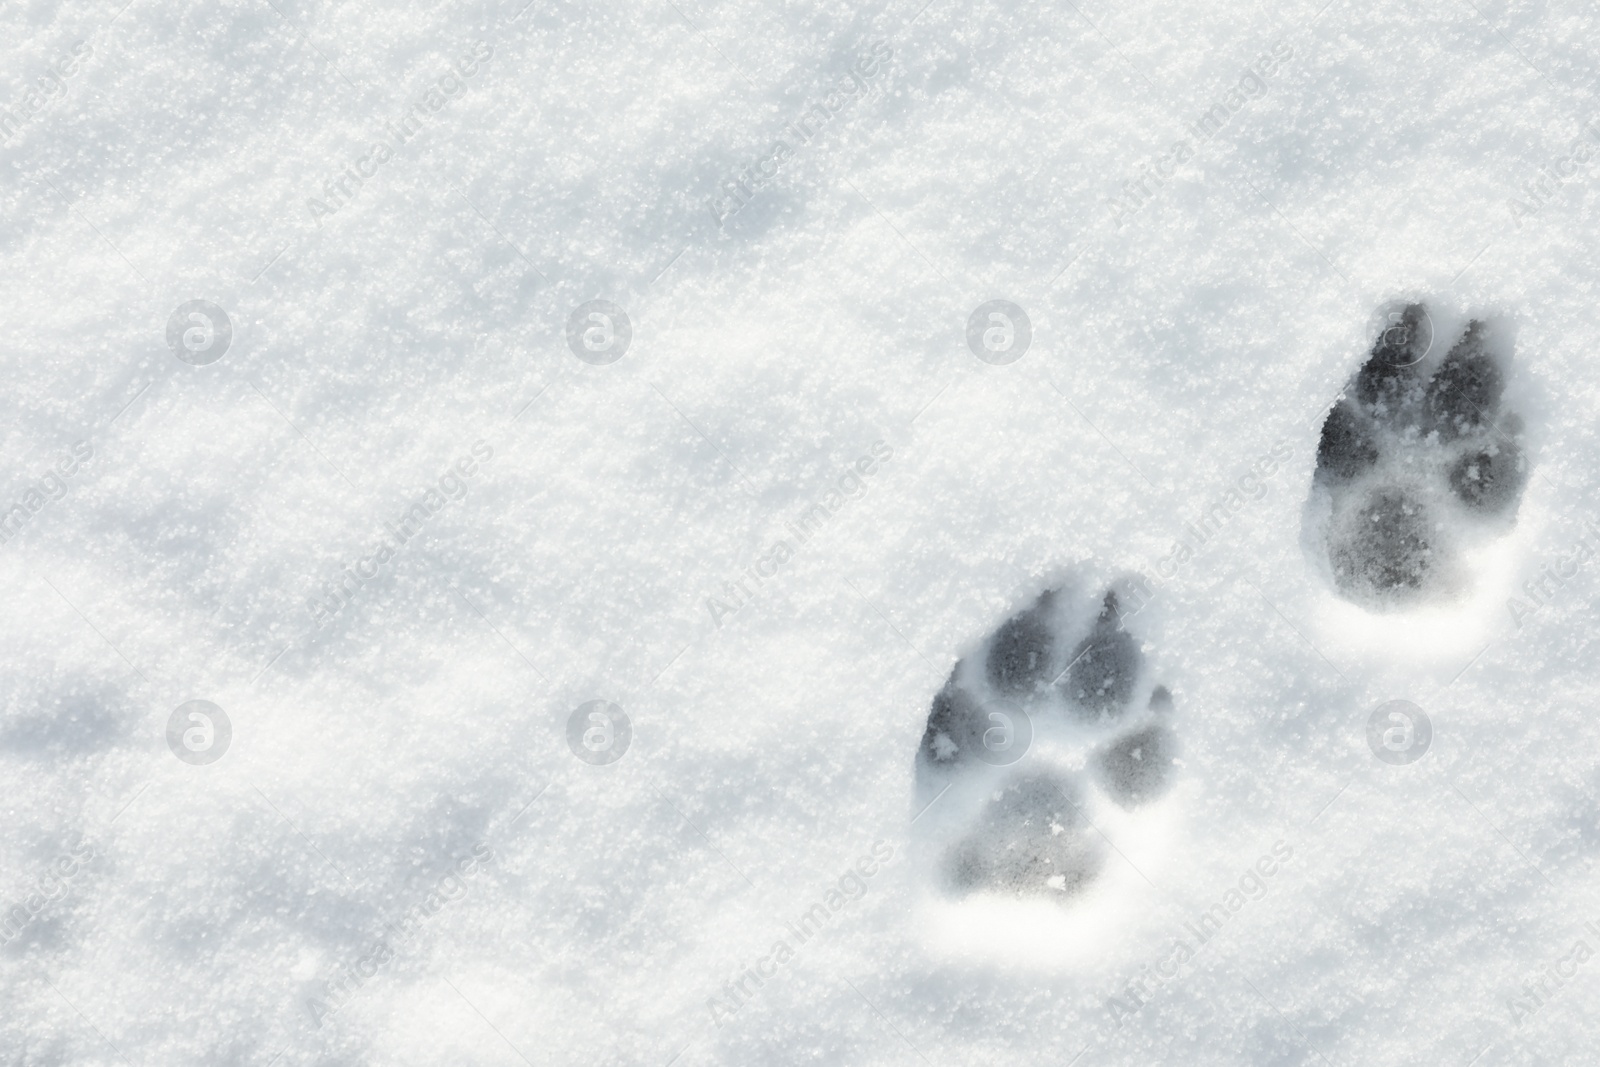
column 1052, row 715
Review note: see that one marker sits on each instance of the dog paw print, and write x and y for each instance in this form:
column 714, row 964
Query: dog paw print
column 1419, row 459
column 1052, row 716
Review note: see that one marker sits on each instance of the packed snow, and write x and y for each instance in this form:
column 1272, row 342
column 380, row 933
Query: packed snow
column 492, row 491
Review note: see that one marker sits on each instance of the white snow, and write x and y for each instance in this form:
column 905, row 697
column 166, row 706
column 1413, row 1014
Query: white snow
column 400, row 859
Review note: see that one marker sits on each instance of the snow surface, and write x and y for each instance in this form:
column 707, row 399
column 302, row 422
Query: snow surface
column 404, row 765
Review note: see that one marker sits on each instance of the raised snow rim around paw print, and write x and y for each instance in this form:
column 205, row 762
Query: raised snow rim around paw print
column 955, row 796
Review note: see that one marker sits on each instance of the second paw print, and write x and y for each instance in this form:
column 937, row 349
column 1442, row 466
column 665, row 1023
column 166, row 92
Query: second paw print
column 1055, row 712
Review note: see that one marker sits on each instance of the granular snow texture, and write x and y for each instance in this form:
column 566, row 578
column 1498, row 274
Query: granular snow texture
column 408, row 515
